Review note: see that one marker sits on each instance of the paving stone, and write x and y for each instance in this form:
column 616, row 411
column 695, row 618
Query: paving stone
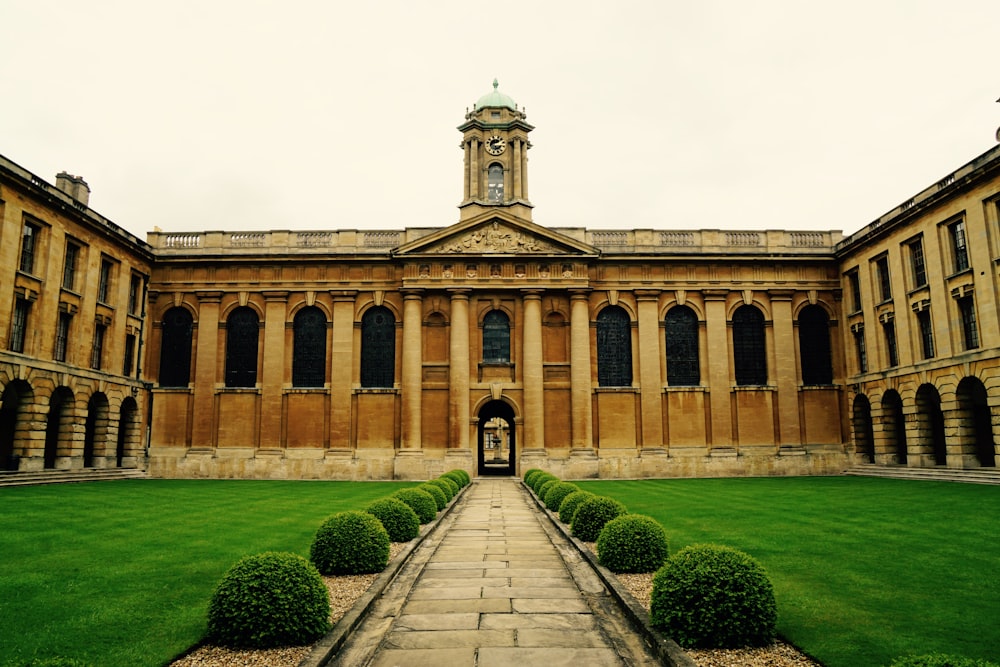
column 550, row 657
column 539, row 621
column 494, row 605
column 449, row 638
column 557, row 606
column 446, row 657
column 531, row 592
column 460, row 621
column 548, row 638
column 453, row 593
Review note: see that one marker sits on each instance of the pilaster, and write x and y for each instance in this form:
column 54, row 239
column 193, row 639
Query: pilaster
column 651, row 385
column 784, row 367
column 581, row 407
column 533, row 373
column 273, row 368
column 717, row 332
column 206, row 365
column 459, row 372
column 412, row 368
column 342, row 368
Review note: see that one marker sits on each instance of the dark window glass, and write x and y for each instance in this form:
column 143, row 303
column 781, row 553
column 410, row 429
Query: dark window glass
column 855, row 283
column 62, row 337
column 129, row 354
column 889, row 328
column 69, row 266
column 614, row 348
column 970, row 332
column 861, row 349
column 681, row 326
column 496, row 338
column 29, row 245
column 19, row 325
column 104, row 282
column 749, row 353
column 814, row 346
column 926, row 333
column 494, row 183
column 309, row 353
column 917, row 261
column 175, row 349
column 958, row 243
column 242, row 333
column 97, row 351
column 882, row 275
column 378, row 348
column 134, row 294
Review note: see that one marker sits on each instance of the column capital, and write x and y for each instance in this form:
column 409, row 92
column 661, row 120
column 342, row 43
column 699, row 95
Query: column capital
column 459, row 293
column 412, row 293
column 532, row 293
column 579, row 293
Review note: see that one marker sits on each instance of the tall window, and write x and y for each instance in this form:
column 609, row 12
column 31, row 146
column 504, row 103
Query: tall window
column 882, row 276
column 242, row 333
column 309, row 348
column 104, row 281
column 814, row 346
column 916, row 248
column 496, row 338
column 129, row 359
column 970, row 332
column 854, row 282
column 614, row 348
column 494, row 183
column 19, row 325
column 69, row 265
column 681, row 325
column 175, row 348
column 749, row 353
column 134, row 294
column 378, row 348
column 959, row 247
column 62, row 336
column 97, row 351
column 889, row 330
column 860, row 348
column 29, row 246
column 926, row 333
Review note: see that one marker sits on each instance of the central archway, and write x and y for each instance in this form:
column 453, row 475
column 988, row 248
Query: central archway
column 496, row 439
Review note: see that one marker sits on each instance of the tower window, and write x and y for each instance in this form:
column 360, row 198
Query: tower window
column 494, row 183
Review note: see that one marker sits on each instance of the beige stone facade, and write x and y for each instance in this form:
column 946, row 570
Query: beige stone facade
column 497, row 344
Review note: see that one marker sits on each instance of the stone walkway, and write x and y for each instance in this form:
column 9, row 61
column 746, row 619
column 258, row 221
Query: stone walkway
column 494, row 586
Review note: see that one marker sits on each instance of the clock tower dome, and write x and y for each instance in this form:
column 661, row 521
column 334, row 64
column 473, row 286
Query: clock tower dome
column 495, row 141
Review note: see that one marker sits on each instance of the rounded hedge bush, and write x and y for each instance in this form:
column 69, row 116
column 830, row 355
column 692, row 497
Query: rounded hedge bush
column 440, row 500
column 455, row 477
column 571, row 503
column 592, row 514
column 350, row 543
column 939, row 660
column 538, row 480
column 447, row 486
column 455, row 486
column 398, row 518
column 556, row 493
column 420, row 501
column 545, row 486
column 707, row 595
column 632, row 543
column 271, row 599
column 529, row 474
column 463, row 476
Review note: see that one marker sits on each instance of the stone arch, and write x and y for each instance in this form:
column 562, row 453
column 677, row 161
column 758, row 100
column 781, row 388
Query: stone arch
column 95, row 435
column 59, row 428
column 16, row 395
column 894, row 427
column 975, row 423
column 129, row 442
column 929, row 427
column 496, row 441
column 864, row 432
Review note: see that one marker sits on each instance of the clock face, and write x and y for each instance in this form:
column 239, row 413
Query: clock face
column 495, row 145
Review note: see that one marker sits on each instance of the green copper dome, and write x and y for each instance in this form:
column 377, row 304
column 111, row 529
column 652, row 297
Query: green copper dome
column 495, row 99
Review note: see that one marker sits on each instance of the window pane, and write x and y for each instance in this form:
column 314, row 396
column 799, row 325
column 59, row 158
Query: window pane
column 970, row 331
column 309, row 354
column 62, row 337
column 959, row 244
column 496, row 338
column 242, row 331
column 748, row 346
column 814, row 346
column 917, row 259
column 29, row 239
column 614, row 348
column 683, row 368
column 175, row 349
column 378, row 348
column 890, row 343
column 19, row 325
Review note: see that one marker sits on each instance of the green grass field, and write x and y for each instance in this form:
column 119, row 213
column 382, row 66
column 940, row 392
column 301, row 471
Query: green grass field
column 120, row 573
column 864, row 569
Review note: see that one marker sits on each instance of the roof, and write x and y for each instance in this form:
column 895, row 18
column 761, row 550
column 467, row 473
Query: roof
column 496, row 99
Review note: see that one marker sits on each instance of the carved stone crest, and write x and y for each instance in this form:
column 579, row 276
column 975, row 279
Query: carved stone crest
column 494, row 238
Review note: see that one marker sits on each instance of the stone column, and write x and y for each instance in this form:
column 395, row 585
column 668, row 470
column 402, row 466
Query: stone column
column 783, row 369
column 206, row 369
column 474, row 176
column 719, row 382
column 273, row 372
column 533, row 372
column 458, row 373
column 412, row 368
column 342, row 368
column 468, row 173
column 581, row 407
column 524, row 172
column 517, row 169
column 650, row 381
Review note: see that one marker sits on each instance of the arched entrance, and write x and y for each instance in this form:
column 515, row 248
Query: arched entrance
column 930, row 425
column 976, row 429
column 127, row 432
column 894, row 427
column 496, row 439
column 14, row 397
column 864, row 436
column 58, row 426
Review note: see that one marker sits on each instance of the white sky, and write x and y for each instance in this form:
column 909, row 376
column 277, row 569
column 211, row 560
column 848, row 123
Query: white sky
column 294, row 114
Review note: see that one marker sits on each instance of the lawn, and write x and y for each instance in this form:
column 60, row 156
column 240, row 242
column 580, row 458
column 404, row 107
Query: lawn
column 120, row 573
column 864, row 569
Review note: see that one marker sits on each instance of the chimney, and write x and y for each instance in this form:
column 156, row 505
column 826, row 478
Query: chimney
column 74, row 186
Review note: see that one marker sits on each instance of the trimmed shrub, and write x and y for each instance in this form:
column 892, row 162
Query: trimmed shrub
column 571, row 503
column 592, row 514
column 555, row 494
column 420, row 501
column 707, row 595
column 538, row 480
column 440, row 500
column 632, row 543
column 455, row 477
column 350, row 543
column 447, row 486
column 271, row 599
column 529, row 474
column 455, row 486
column 463, row 476
column 940, row 660
column 398, row 518
column 545, row 486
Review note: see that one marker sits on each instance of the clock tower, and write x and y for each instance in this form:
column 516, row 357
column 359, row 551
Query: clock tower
column 495, row 141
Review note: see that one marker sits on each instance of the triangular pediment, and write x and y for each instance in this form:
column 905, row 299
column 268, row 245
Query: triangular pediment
column 496, row 234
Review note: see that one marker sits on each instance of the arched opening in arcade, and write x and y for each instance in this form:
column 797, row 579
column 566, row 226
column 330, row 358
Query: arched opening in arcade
column 496, row 439
column 976, row 425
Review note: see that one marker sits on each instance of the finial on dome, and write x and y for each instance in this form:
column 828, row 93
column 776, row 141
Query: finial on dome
column 496, row 84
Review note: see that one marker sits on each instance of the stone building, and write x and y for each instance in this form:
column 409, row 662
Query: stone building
column 498, row 344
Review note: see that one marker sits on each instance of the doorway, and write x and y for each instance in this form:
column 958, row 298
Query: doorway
column 496, row 439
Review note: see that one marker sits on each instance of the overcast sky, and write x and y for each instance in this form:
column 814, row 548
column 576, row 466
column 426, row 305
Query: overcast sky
column 774, row 114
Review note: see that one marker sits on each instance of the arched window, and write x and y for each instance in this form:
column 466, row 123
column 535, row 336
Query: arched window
column 749, row 353
column 378, row 347
column 614, row 348
column 309, row 348
column 242, row 332
column 496, row 338
column 814, row 346
column 682, row 347
column 494, row 182
column 175, row 348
